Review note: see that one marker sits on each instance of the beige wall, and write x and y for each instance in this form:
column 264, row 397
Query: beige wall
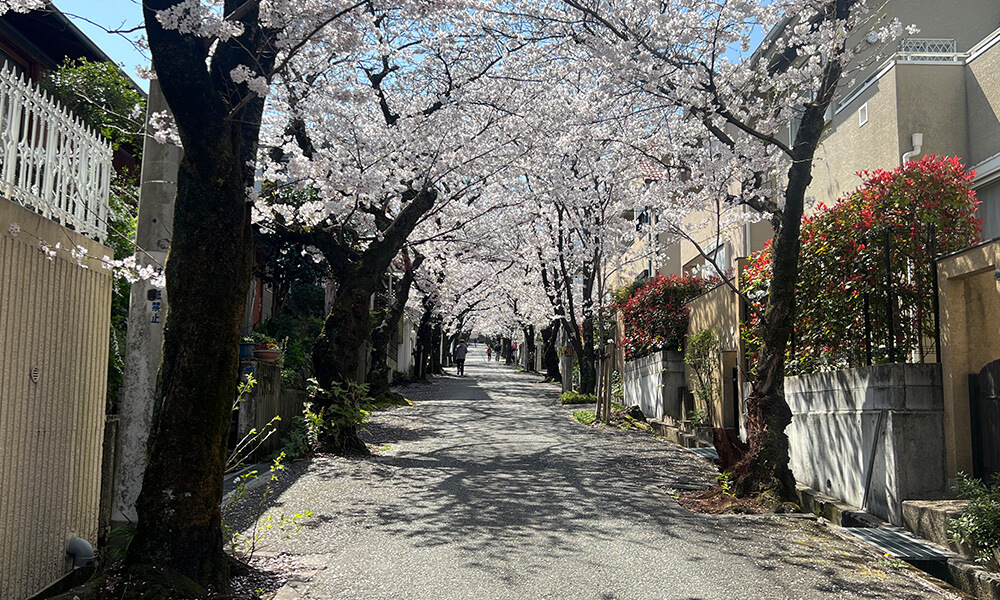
column 850, row 147
column 965, row 21
column 983, row 99
column 718, row 310
column 931, row 100
column 970, row 338
column 54, row 317
column 622, row 270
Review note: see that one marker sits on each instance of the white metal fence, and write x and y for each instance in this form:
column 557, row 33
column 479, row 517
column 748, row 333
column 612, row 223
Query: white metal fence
column 50, row 161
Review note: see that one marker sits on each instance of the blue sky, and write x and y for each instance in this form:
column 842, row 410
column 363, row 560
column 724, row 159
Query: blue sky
column 110, row 14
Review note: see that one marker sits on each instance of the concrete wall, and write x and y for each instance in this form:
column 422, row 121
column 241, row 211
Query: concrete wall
column 651, row 383
column 970, row 338
column 881, row 423
column 54, row 327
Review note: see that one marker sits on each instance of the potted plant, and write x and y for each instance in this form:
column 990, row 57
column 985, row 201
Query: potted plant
column 265, row 347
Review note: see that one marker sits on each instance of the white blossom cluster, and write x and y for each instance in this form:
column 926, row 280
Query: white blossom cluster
column 257, row 84
column 130, row 268
column 202, row 19
column 164, row 128
column 20, row 6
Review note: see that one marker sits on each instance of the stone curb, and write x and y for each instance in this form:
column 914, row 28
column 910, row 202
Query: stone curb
column 964, row 574
column 833, row 510
column 974, row 579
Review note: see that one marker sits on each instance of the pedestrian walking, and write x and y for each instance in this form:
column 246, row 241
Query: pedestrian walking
column 489, row 353
column 460, row 351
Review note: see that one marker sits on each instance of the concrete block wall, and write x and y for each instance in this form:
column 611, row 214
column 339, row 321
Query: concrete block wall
column 879, row 427
column 652, row 384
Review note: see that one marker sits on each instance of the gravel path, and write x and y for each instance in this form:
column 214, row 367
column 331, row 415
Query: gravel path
column 487, row 489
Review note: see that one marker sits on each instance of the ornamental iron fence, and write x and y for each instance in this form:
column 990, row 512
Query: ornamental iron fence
column 50, row 161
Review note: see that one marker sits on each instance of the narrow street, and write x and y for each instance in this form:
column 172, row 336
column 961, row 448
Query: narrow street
column 488, row 489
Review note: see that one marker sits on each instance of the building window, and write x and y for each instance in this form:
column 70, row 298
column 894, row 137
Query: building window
column 989, row 209
column 863, row 115
column 644, row 218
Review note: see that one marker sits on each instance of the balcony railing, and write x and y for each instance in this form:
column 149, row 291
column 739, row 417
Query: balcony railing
column 50, row 161
column 929, row 50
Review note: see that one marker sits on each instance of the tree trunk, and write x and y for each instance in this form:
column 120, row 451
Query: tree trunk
column 208, row 274
column 436, row 336
column 337, row 352
column 550, row 353
column 765, row 466
column 378, row 376
column 588, row 358
column 178, row 507
column 529, row 348
column 378, row 372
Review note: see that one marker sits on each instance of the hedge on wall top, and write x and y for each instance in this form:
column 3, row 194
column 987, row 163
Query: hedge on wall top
column 655, row 316
column 843, row 261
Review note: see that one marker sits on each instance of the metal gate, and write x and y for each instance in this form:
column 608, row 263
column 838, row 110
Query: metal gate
column 984, row 404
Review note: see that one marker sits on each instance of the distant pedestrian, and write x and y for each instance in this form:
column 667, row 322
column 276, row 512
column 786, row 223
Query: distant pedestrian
column 460, row 351
column 489, row 353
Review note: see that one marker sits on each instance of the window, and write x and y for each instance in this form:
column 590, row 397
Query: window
column 643, row 218
column 863, row 115
column 989, row 209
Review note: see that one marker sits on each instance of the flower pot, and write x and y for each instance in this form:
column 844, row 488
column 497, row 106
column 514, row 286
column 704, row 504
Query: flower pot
column 266, row 355
column 246, row 350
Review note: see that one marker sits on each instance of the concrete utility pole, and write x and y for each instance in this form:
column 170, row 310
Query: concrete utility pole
column 146, row 314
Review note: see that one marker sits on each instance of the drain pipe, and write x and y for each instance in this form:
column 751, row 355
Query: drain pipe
column 918, row 140
column 81, row 552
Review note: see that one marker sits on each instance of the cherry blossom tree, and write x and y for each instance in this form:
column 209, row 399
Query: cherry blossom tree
column 396, row 139
column 718, row 129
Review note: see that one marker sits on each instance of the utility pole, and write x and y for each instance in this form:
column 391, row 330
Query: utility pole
column 146, row 314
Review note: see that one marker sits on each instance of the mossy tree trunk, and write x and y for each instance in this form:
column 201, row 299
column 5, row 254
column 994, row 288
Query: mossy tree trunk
column 337, row 352
column 765, row 468
column 550, row 352
column 385, row 329
column 208, row 274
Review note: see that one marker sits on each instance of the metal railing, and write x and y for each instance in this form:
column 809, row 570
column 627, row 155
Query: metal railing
column 929, row 50
column 928, row 46
column 50, row 161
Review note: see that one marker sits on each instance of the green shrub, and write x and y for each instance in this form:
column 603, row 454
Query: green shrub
column 702, row 355
column 577, row 398
column 401, row 378
column 295, row 444
column 979, row 526
column 585, row 417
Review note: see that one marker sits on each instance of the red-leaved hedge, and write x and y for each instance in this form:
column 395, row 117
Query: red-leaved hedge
column 655, row 316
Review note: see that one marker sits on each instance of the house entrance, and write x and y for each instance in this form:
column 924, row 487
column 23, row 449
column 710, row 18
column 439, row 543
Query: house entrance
column 984, row 394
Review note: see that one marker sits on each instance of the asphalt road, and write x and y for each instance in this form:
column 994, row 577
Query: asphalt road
column 487, row 489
